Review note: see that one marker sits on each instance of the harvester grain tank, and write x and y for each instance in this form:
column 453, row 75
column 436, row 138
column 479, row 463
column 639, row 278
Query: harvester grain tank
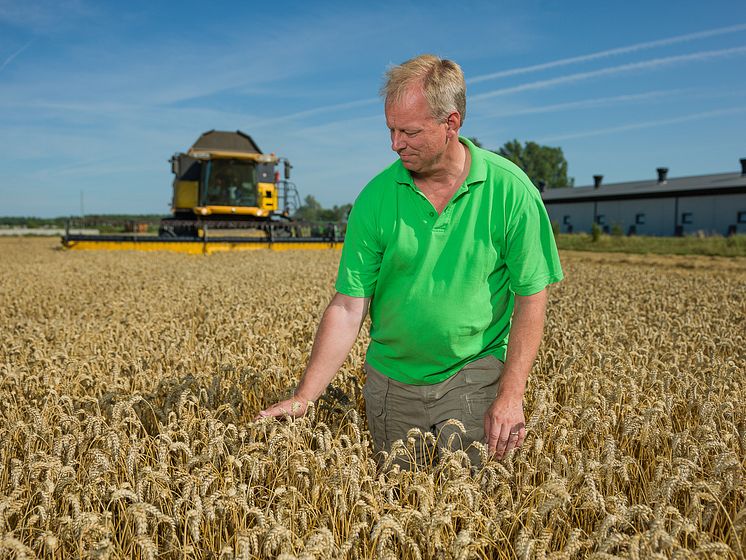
column 227, row 195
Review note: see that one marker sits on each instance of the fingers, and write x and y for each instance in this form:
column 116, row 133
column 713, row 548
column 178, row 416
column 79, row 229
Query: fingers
column 502, row 441
column 521, row 436
column 273, row 411
column 491, row 432
column 293, row 407
column 509, row 439
column 502, row 437
column 497, row 435
column 516, row 435
column 512, row 442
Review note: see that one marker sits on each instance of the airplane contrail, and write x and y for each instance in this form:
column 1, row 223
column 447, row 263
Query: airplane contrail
column 533, row 68
column 612, row 70
column 610, row 52
column 323, row 109
column 523, row 70
column 645, row 124
column 584, row 103
column 15, row 54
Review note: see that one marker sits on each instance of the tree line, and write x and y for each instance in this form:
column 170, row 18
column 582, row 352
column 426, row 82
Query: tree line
column 312, row 211
column 60, row 221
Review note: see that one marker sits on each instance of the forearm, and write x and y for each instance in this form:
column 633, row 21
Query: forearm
column 523, row 344
column 335, row 336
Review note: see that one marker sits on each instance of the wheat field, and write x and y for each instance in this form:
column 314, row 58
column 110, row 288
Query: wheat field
column 129, row 381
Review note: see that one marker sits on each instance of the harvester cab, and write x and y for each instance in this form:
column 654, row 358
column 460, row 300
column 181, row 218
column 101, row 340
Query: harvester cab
column 225, row 178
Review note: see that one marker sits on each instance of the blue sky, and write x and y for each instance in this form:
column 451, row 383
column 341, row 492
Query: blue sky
column 96, row 96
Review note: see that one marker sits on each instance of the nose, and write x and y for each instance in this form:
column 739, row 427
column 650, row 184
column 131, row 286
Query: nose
column 397, row 141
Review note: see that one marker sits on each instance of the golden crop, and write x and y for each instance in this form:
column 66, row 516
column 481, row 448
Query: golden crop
column 128, row 384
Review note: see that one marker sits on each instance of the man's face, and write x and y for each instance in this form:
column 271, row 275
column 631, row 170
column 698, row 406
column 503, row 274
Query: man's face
column 416, row 136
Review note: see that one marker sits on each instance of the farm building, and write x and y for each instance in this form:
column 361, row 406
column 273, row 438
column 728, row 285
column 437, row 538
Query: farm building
column 712, row 204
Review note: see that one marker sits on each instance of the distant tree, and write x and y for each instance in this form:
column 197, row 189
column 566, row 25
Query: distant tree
column 335, row 213
column 312, row 211
column 540, row 163
column 309, row 210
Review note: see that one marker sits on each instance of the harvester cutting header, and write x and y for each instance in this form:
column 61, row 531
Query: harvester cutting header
column 227, row 194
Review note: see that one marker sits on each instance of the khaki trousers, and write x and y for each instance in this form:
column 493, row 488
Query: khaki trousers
column 394, row 408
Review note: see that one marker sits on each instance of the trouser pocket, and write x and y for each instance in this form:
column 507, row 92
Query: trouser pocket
column 478, row 390
column 482, row 378
column 375, row 391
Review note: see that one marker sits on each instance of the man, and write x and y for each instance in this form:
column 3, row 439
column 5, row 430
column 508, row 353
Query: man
column 443, row 246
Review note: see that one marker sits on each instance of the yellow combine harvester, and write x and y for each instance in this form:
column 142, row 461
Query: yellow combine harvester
column 227, row 195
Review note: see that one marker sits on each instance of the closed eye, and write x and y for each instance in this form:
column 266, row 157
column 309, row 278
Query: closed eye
column 408, row 133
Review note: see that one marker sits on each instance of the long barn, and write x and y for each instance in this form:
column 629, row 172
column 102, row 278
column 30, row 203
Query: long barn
column 712, row 204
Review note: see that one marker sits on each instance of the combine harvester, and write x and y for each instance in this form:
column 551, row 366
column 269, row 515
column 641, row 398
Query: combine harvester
column 226, row 197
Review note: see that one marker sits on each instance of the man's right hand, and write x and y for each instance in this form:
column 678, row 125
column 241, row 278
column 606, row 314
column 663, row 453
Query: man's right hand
column 335, row 336
column 295, row 407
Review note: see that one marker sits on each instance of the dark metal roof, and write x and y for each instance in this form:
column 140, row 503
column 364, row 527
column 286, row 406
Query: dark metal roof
column 678, row 186
column 219, row 140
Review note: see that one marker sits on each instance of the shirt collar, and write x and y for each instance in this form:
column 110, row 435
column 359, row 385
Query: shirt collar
column 477, row 169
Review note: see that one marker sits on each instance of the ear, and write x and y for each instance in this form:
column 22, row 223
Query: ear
column 453, row 121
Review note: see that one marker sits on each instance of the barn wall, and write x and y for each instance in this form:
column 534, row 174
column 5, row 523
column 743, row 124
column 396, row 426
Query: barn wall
column 573, row 217
column 712, row 214
column 715, row 214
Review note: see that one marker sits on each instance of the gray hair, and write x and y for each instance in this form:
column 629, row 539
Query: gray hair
column 442, row 83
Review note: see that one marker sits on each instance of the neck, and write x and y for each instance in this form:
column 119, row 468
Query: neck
column 450, row 170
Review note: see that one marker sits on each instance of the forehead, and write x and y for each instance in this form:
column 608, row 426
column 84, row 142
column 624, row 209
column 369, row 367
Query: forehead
column 410, row 108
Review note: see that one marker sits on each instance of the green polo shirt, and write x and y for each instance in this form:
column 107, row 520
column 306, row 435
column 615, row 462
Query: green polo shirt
column 442, row 286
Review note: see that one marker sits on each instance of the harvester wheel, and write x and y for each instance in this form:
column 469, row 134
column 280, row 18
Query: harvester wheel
column 282, row 231
column 166, row 231
column 172, row 230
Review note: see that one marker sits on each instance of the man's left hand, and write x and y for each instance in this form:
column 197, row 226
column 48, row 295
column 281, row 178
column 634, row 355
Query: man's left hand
column 504, row 425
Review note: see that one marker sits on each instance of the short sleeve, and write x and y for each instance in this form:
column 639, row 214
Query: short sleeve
column 362, row 252
column 531, row 252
